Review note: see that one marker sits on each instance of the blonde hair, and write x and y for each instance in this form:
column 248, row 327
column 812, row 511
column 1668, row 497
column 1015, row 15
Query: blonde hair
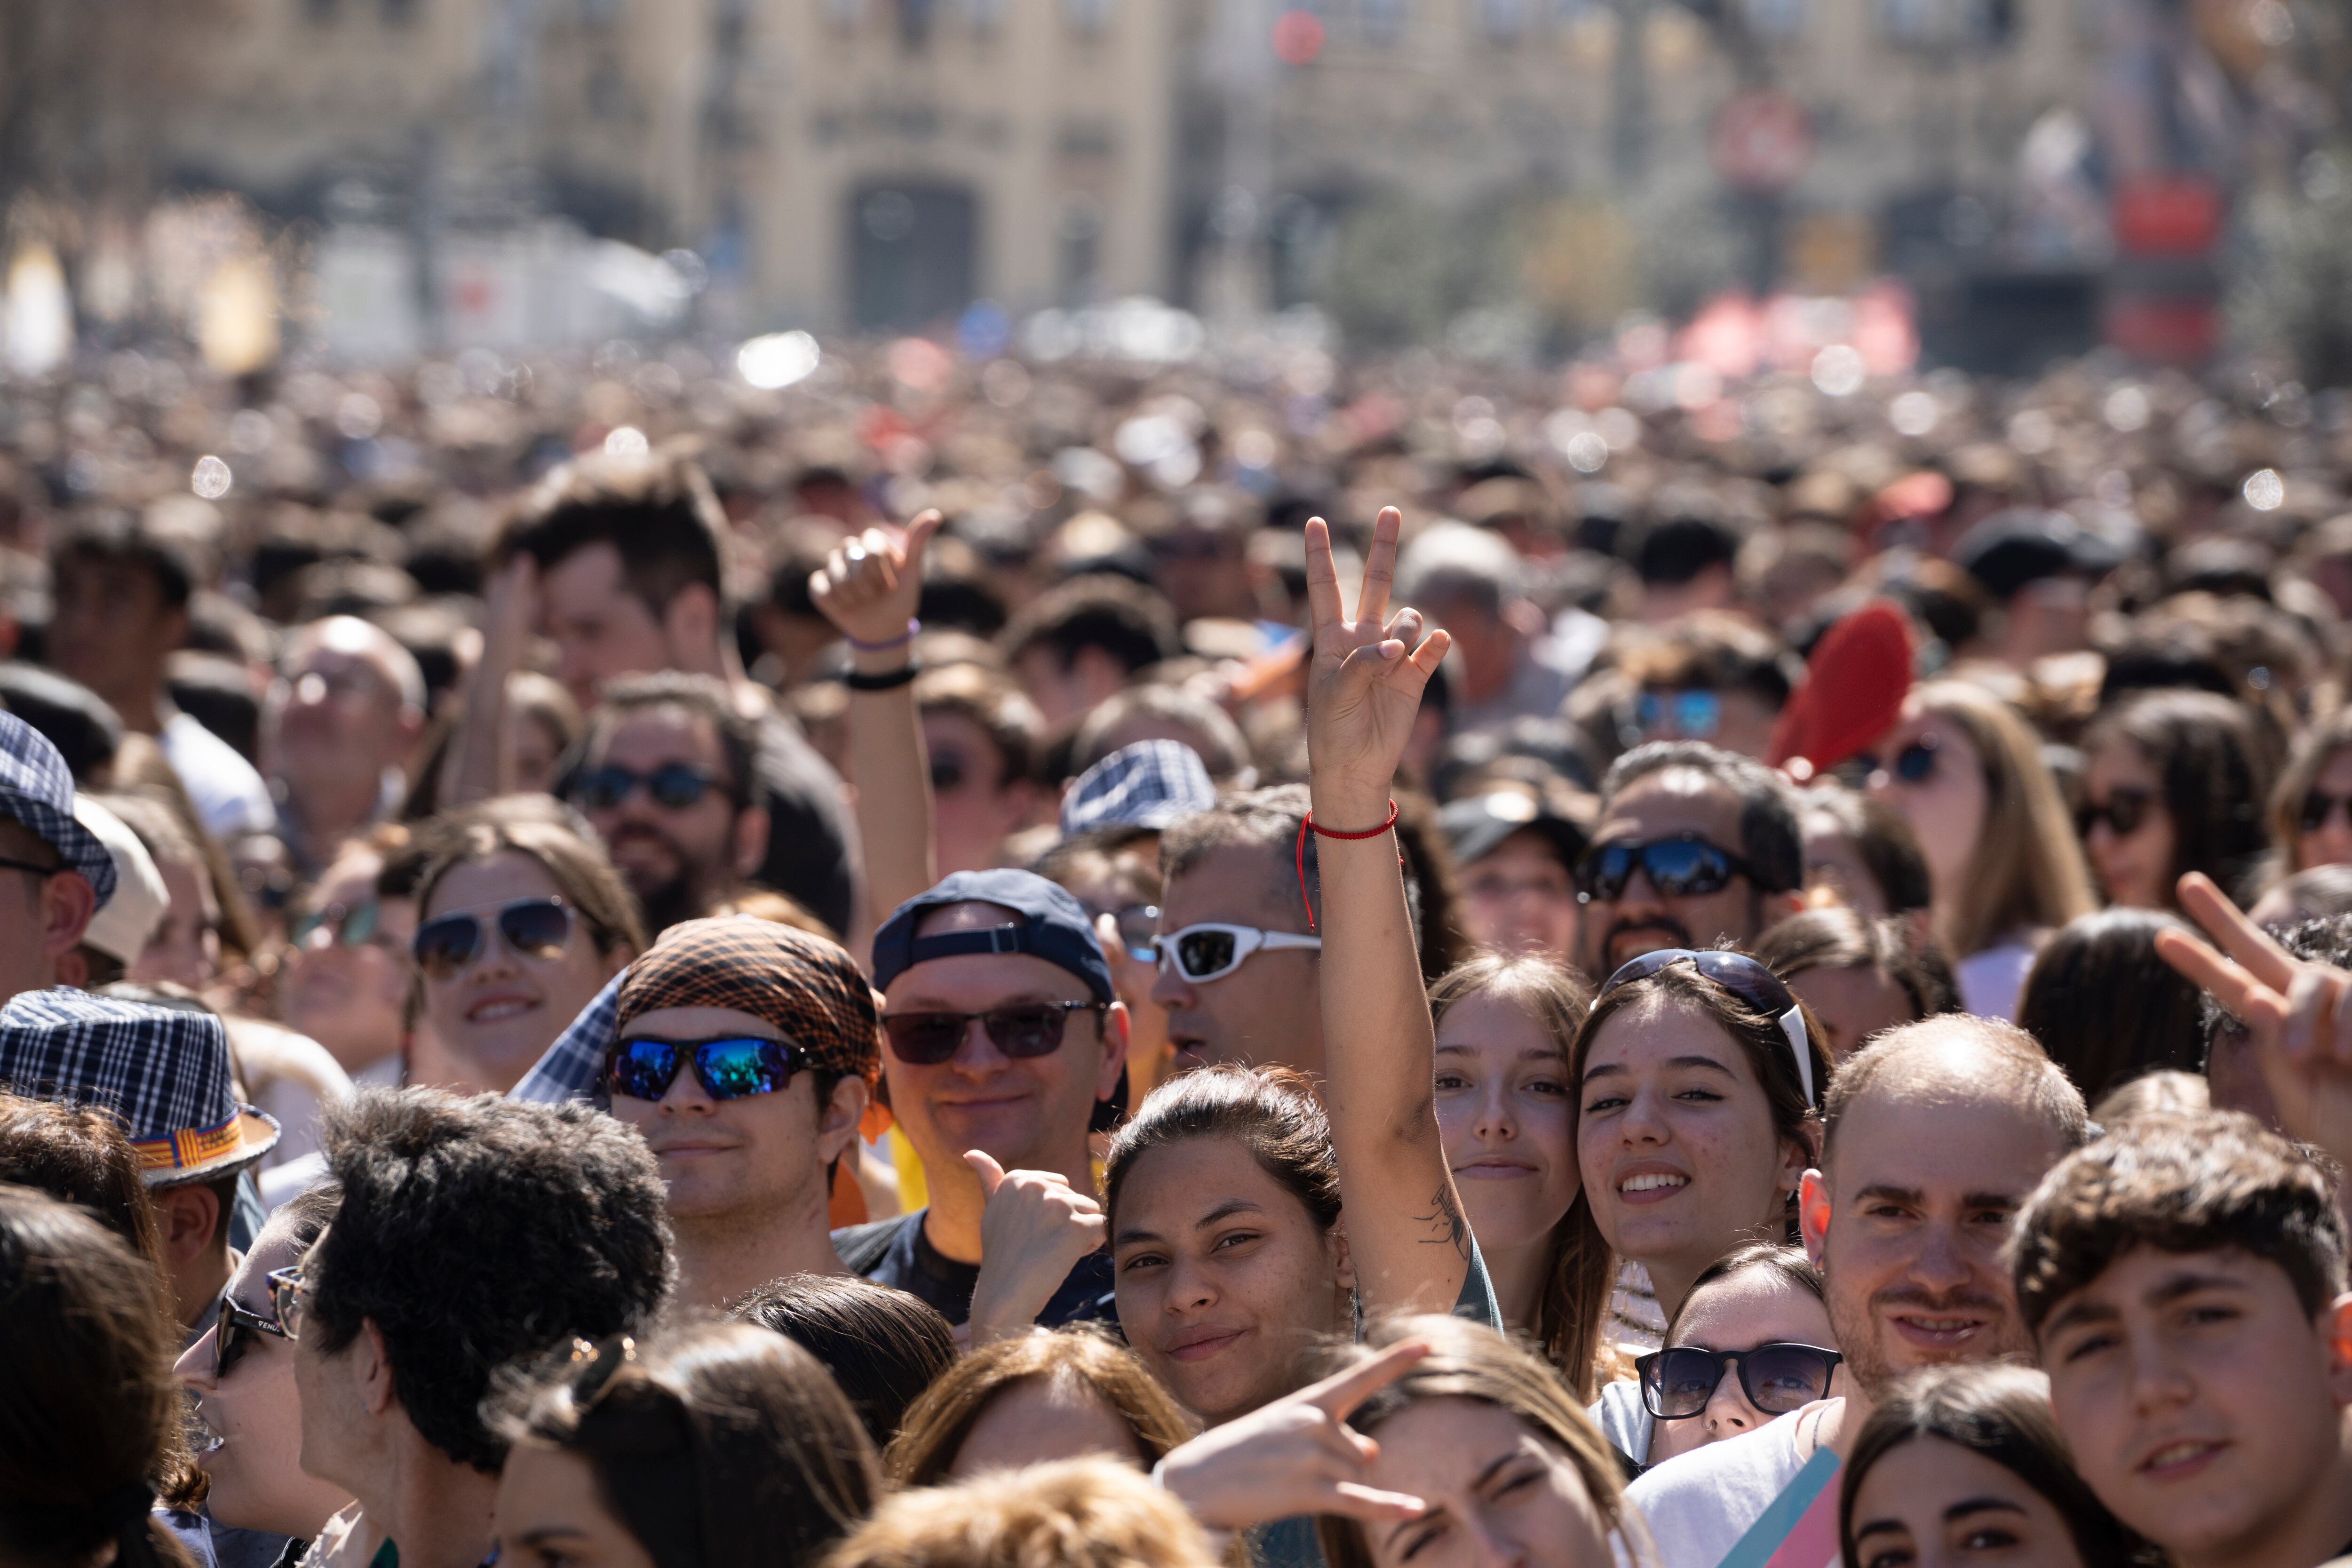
column 936, row 1423
column 1076, row 1514
column 2027, row 870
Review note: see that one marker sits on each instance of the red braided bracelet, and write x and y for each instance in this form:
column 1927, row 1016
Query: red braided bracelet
column 1310, row 822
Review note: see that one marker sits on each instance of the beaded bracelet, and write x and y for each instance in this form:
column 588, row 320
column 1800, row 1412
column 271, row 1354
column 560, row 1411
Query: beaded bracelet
column 1308, row 822
column 913, row 627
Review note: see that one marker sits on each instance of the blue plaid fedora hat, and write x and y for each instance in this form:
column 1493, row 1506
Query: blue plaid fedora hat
column 1148, row 784
column 163, row 1071
column 36, row 788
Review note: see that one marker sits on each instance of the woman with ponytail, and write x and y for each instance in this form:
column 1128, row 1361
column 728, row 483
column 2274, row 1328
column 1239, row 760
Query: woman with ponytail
column 89, row 1411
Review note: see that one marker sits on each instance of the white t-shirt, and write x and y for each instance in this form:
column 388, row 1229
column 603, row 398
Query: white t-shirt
column 1993, row 981
column 1699, row 1504
column 229, row 796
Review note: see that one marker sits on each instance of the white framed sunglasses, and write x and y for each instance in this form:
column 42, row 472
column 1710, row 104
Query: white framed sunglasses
column 1212, row 950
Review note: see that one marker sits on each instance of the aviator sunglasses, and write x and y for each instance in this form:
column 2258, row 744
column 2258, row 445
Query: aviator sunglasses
column 1024, row 1029
column 1776, row 1378
column 675, row 786
column 730, row 1067
column 531, row 928
column 1685, row 866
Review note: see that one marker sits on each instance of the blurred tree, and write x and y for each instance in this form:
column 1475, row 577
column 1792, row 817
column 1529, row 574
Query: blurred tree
column 2295, row 291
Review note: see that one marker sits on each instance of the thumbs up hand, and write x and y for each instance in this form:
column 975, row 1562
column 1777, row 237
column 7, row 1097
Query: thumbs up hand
column 1033, row 1231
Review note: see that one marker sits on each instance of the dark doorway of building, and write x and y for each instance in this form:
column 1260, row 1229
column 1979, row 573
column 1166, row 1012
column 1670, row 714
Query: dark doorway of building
column 912, row 254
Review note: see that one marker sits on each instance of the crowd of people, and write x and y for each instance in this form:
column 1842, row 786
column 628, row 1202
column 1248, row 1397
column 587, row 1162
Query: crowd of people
column 966, row 966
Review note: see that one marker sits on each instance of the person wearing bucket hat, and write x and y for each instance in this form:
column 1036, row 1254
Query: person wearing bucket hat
column 1002, row 1035
column 54, row 873
column 166, row 1073
column 1146, row 785
column 744, row 1053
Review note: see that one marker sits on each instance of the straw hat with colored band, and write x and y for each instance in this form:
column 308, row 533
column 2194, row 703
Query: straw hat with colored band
column 165, row 1071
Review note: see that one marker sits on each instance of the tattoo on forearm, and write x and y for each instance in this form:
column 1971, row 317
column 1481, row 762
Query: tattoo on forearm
column 1445, row 1222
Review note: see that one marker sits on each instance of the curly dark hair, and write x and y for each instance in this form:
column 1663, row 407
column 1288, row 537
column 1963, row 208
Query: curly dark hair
column 474, row 1232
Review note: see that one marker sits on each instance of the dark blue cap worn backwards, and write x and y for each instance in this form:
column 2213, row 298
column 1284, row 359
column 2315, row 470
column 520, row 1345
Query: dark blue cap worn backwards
column 1049, row 924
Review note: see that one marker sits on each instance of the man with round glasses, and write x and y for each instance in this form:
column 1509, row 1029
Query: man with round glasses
column 744, row 1054
column 1695, row 846
column 662, row 780
column 1002, row 1036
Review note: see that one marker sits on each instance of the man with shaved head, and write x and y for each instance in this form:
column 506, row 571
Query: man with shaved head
column 345, row 713
column 1935, row 1134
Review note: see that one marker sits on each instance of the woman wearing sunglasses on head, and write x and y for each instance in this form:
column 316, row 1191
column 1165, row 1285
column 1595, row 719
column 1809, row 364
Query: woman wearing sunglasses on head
column 520, row 923
column 1699, row 1079
column 1968, row 773
column 1751, row 1342
column 2175, row 784
column 713, row 1445
column 241, row 1371
column 1966, row 1464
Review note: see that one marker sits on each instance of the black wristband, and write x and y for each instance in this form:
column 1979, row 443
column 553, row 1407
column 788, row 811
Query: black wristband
column 888, row 680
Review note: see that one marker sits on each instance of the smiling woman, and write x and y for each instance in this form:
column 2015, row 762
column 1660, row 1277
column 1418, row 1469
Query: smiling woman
column 1698, row 1113
column 521, row 923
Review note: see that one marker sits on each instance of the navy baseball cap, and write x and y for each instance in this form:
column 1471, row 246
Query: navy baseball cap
column 1049, row 924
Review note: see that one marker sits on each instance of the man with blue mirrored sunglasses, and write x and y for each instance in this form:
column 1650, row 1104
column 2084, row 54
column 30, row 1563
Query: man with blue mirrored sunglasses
column 744, row 1055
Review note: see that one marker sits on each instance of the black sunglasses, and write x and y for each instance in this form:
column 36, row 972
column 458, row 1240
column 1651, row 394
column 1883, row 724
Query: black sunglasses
column 1744, row 977
column 1914, row 764
column 1685, row 866
column 730, row 1067
column 2318, row 806
column 674, row 786
column 233, row 1329
column 1027, row 1029
column 533, row 928
column 2124, row 810
column 1776, row 1378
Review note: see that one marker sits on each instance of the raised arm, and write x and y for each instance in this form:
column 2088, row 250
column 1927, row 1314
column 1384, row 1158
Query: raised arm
column 481, row 757
column 2296, row 1011
column 869, row 589
column 1406, row 1234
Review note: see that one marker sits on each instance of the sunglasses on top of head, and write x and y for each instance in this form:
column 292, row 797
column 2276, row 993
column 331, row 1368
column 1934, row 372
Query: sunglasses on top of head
column 1685, row 866
column 1744, row 977
column 1678, row 1383
column 675, row 786
column 1024, row 1029
column 531, row 928
column 2124, row 810
column 732, row 1067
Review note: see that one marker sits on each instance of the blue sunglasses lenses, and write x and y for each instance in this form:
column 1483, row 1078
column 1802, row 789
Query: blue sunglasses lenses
column 729, row 1069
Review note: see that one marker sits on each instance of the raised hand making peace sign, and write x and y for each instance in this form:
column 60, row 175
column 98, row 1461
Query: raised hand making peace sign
column 1365, row 684
column 2293, row 1009
column 1294, row 1456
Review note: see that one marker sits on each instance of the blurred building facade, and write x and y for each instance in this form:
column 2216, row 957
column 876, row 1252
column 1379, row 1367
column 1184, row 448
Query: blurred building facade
column 879, row 163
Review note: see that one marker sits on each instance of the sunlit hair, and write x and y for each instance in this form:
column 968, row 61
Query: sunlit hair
column 1074, row 1513
column 1272, row 1112
column 1787, row 1263
column 82, row 1155
column 882, row 1346
column 716, row 1446
column 936, row 1423
column 1469, row 1361
column 1578, row 1270
column 2005, row 1057
column 1997, row 1413
column 1841, row 938
column 90, row 1413
column 2028, row 869
column 2312, row 754
column 2106, row 1006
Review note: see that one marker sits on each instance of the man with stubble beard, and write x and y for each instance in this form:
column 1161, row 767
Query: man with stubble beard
column 1695, row 846
column 1934, row 1136
column 662, row 780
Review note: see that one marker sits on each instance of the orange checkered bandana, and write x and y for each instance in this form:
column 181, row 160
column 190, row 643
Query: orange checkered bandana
column 806, row 986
